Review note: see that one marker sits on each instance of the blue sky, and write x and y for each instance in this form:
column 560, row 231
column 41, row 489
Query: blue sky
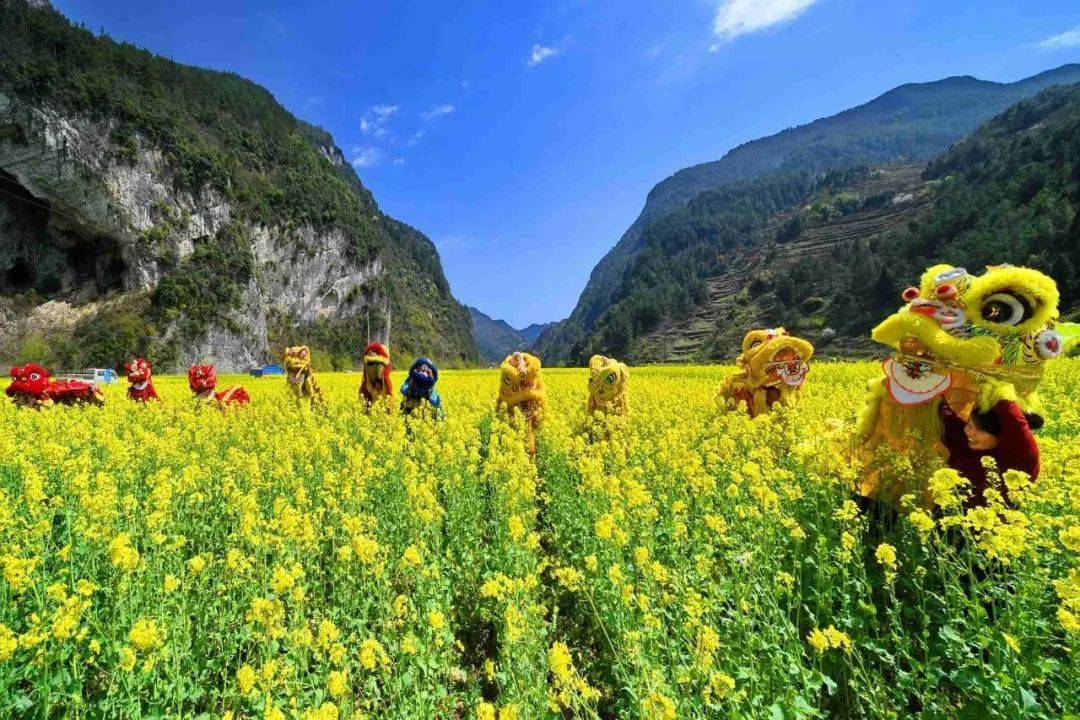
column 523, row 137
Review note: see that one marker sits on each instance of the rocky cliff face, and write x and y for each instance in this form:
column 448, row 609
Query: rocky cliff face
column 182, row 213
column 77, row 221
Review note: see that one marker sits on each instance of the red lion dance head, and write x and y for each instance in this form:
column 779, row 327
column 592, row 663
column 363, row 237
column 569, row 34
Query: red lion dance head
column 30, row 379
column 32, row 385
column 376, row 381
column 202, row 379
column 141, row 379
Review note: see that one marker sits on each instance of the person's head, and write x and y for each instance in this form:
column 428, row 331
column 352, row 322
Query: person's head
column 983, row 429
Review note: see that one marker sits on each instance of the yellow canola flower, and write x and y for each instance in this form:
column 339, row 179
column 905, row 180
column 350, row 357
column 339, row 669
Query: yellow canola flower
column 146, row 634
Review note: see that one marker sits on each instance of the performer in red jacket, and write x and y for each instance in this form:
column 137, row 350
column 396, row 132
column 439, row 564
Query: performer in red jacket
column 1004, row 434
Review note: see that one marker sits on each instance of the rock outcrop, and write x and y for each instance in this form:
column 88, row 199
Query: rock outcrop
column 236, row 227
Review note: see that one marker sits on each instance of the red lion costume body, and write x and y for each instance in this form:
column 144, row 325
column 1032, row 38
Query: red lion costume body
column 376, row 383
column 33, row 386
column 202, row 379
column 141, row 388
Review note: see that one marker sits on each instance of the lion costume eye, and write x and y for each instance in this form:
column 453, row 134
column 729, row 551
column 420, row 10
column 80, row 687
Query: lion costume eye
column 1005, row 308
column 610, row 379
column 35, row 376
column 755, row 343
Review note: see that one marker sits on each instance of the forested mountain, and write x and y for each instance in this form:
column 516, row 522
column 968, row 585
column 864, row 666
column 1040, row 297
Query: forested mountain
column 155, row 208
column 911, row 123
column 827, row 254
column 495, row 339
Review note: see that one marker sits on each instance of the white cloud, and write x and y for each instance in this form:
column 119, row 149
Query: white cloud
column 375, row 119
column 415, row 137
column 1067, row 39
column 399, row 161
column 540, row 53
column 739, row 17
column 365, row 157
column 439, row 111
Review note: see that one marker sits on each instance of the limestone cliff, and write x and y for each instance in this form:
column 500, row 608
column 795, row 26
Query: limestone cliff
column 214, row 232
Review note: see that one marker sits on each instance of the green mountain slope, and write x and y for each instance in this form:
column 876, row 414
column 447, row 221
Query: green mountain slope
column 833, row 261
column 229, row 226
column 912, row 123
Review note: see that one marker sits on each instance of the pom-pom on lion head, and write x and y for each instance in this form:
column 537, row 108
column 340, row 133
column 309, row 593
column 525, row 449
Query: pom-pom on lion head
column 521, row 380
column 608, row 380
column 201, row 378
column 989, row 333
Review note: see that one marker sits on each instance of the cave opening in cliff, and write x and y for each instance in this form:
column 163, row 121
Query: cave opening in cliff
column 18, row 277
column 51, row 252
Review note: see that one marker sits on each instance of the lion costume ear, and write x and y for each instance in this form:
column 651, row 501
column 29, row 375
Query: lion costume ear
column 304, row 352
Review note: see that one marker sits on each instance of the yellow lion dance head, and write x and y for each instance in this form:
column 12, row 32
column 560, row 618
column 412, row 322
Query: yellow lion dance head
column 608, row 380
column 973, row 338
column 521, row 383
column 772, row 368
column 967, row 340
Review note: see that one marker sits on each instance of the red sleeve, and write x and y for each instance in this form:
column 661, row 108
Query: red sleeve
column 1017, row 449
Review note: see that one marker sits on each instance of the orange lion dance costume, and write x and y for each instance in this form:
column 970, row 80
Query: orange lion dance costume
column 139, row 375
column 202, row 379
column 522, row 389
column 771, row 369
column 376, row 385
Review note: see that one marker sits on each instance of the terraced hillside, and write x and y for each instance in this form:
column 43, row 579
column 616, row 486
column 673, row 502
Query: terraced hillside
column 887, row 200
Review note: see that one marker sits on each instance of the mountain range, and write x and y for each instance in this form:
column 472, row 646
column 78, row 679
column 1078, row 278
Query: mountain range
column 495, row 339
column 157, row 209
column 624, row 301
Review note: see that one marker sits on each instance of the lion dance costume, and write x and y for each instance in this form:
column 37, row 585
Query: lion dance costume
column 522, row 388
column 771, row 369
column 33, row 386
column 300, row 376
column 963, row 344
column 202, row 379
column 141, row 378
column 376, row 383
column 608, row 380
column 418, row 392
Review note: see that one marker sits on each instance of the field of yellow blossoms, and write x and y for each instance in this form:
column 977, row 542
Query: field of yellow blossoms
column 273, row 562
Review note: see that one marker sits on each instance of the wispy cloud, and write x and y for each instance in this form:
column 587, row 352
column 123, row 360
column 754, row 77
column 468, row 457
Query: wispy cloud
column 375, row 119
column 366, row 156
column 415, row 137
column 439, row 111
column 1067, row 39
column 540, row 53
column 740, row 17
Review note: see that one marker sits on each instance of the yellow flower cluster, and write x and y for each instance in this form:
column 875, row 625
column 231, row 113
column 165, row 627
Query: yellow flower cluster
column 679, row 561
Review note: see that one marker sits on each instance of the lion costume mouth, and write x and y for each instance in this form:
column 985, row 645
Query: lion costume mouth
column 788, row 365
